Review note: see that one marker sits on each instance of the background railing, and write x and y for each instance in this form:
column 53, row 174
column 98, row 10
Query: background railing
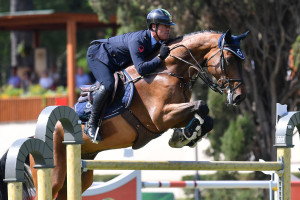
column 26, row 109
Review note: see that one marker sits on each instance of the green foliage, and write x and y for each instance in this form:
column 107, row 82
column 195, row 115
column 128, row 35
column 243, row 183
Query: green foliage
column 222, row 114
column 5, row 56
column 296, row 52
column 107, row 7
column 234, row 194
column 233, row 133
column 104, row 178
column 297, row 174
column 63, row 6
column 4, row 5
column 131, row 14
column 237, row 139
column 8, row 91
column 228, row 194
column 81, row 62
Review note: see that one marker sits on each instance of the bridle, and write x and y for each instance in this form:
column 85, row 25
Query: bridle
column 224, row 83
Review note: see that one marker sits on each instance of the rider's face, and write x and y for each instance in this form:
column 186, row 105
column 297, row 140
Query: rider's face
column 163, row 31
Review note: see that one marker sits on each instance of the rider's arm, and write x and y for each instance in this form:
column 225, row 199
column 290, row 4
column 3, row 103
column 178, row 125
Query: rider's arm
column 138, row 56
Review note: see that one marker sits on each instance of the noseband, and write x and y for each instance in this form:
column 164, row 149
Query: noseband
column 224, row 83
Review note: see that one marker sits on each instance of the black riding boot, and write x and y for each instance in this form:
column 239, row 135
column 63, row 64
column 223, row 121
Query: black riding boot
column 93, row 126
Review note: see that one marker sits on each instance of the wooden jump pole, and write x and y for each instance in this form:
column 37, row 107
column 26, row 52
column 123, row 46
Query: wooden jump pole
column 14, row 190
column 182, row 165
column 74, row 171
column 44, row 176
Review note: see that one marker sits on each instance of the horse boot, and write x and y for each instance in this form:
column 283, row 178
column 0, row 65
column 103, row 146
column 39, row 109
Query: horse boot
column 182, row 136
column 206, row 127
column 93, row 126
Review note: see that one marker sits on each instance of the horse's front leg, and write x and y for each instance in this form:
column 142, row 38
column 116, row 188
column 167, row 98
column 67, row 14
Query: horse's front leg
column 183, row 115
column 179, row 115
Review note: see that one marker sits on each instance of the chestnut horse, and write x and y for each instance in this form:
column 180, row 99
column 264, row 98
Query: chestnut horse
column 162, row 99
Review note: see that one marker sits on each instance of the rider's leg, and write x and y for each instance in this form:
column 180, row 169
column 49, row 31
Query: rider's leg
column 92, row 128
column 104, row 76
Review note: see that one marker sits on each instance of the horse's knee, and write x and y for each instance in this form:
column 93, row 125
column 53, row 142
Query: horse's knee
column 201, row 109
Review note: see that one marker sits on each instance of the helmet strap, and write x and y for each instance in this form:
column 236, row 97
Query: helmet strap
column 156, row 31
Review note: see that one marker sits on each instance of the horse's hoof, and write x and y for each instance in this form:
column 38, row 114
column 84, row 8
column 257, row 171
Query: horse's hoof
column 178, row 140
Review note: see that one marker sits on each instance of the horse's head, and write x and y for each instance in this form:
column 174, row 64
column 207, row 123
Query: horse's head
column 224, row 62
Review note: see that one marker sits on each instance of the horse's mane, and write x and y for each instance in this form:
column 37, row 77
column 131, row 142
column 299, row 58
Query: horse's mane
column 180, row 38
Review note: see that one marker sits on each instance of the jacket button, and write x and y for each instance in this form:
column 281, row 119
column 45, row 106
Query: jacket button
column 114, row 55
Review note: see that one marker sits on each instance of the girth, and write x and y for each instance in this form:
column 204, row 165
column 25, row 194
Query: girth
column 143, row 134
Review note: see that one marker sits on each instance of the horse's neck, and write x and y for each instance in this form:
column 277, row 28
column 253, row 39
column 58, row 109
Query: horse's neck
column 199, row 45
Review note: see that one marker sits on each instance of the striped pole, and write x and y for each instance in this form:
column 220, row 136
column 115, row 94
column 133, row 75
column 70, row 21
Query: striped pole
column 210, row 184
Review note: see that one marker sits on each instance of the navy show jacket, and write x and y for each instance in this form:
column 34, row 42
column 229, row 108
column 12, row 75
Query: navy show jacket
column 119, row 51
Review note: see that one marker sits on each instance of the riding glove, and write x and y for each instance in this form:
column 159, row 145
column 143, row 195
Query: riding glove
column 164, row 52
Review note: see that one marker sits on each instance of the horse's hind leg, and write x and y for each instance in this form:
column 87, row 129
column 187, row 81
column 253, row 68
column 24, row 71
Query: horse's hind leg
column 59, row 156
column 87, row 180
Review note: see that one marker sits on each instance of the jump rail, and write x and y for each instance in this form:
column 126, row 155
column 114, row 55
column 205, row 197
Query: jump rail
column 14, row 174
column 182, row 165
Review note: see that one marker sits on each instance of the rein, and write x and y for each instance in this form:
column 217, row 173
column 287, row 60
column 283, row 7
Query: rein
column 201, row 73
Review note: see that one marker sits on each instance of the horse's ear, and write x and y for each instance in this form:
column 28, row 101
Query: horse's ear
column 242, row 36
column 228, row 36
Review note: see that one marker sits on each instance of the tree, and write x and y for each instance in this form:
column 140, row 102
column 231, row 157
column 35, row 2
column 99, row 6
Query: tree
column 272, row 24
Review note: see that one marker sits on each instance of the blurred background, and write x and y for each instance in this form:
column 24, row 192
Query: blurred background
column 42, row 60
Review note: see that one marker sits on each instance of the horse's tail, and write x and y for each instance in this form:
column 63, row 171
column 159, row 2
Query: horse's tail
column 28, row 186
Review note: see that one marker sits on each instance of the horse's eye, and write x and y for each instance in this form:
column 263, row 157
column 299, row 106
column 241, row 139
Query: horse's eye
column 229, row 59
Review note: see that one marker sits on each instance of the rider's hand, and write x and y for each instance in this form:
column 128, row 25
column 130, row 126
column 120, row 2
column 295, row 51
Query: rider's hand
column 164, row 52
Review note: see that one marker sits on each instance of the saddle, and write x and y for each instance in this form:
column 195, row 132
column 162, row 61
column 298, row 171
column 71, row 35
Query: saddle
column 87, row 91
column 121, row 100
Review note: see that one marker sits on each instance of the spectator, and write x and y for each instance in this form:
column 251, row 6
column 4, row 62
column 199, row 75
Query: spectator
column 46, row 81
column 26, row 81
column 82, row 78
column 34, row 78
column 55, row 76
column 14, row 79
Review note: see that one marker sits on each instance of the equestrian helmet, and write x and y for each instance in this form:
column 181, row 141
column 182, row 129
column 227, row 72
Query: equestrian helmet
column 159, row 16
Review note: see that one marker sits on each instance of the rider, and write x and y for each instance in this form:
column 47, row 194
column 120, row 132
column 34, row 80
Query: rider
column 105, row 56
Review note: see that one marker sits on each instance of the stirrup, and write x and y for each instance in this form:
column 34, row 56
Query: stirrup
column 95, row 138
